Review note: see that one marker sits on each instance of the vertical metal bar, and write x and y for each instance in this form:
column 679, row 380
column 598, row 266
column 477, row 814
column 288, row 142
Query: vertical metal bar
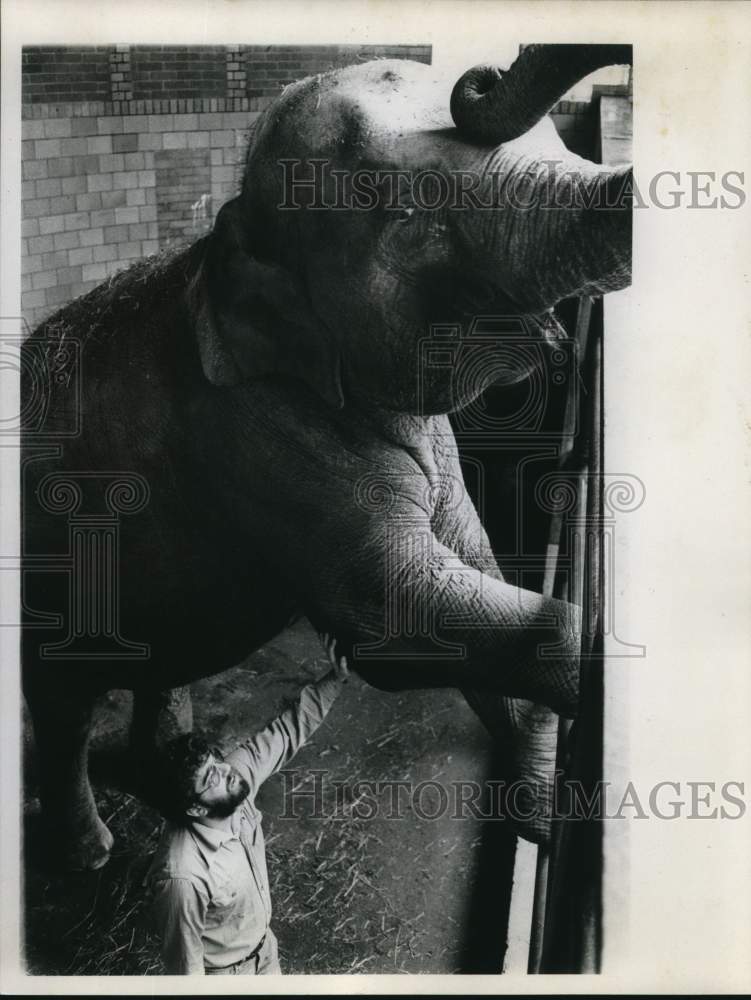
column 570, row 429
column 572, row 927
column 543, row 856
column 591, row 931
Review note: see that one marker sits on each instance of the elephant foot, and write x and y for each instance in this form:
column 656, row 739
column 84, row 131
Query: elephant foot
column 85, row 851
column 532, row 741
column 527, row 738
column 92, row 851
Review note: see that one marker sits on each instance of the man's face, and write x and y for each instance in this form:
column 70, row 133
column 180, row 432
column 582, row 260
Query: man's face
column 219, row 788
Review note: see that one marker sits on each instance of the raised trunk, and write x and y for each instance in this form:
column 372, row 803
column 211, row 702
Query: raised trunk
column 583, row 242
column 557, row 232
column 491, row 105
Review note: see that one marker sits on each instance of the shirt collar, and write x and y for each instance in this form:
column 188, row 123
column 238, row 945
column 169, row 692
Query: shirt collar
column 209, row 838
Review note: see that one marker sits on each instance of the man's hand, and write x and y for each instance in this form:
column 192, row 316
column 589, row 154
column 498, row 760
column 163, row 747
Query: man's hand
column 340, row 665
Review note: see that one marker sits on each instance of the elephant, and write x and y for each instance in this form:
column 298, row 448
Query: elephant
column 259, row 409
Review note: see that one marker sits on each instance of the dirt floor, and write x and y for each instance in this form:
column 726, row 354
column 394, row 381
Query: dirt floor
column 358, row 889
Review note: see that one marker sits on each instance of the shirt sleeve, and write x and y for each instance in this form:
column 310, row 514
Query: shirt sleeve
column 271, row 748
column 179, row 913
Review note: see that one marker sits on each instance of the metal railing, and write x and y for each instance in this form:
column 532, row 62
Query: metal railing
column 566, row 924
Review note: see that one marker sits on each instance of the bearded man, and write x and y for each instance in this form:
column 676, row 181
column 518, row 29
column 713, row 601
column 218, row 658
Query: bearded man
column 208, row 880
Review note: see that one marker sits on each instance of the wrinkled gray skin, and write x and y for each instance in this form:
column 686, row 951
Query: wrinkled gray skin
column 265, row 384
column 493, row 105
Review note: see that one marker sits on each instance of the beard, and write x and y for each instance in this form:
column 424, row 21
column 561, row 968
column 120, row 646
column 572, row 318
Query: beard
column 241, row 790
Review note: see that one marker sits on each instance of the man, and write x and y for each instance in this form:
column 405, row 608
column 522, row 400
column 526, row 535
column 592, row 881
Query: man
column 209, row 885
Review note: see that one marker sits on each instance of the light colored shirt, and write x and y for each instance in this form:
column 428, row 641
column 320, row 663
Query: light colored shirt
column 210, row 888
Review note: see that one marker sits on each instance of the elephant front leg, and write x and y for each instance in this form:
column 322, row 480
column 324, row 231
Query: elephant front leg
column 77, row 837
column 527, row 736
column 159, row 716
column 525, row 732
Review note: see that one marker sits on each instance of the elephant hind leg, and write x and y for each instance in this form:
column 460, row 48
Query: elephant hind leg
column 75, row 836
column 527, row 737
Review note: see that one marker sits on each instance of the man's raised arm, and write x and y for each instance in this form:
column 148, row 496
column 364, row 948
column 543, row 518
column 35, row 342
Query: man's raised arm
column 270, row 749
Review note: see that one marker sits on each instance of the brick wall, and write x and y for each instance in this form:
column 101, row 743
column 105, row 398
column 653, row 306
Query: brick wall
column 178, row 71
column 53, row 73
column 101, row 191
column 183, row 193
column 129, row 149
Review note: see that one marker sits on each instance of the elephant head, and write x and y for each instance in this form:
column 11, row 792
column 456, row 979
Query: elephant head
column 367, row 219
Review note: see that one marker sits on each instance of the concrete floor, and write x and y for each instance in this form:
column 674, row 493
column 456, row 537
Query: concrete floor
column 352, row 892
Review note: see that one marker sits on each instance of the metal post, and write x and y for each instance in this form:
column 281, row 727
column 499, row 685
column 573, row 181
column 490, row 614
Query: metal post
column 582, row 589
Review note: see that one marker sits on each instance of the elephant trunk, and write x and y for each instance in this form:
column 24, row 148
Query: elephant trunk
column 569, row 233
column 586, row 248
column 490, row 105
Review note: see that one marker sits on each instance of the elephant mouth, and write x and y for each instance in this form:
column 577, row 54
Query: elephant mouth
column 479, row 305
column 512, row 342
column 448, row 295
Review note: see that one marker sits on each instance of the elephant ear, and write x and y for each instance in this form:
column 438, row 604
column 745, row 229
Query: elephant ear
column 253, row 319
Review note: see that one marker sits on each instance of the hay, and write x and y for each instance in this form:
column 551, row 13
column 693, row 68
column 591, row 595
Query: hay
column 334, row 911
column 113, row 936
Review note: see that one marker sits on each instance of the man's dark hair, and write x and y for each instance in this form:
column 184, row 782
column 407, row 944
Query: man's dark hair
column 179, row 760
